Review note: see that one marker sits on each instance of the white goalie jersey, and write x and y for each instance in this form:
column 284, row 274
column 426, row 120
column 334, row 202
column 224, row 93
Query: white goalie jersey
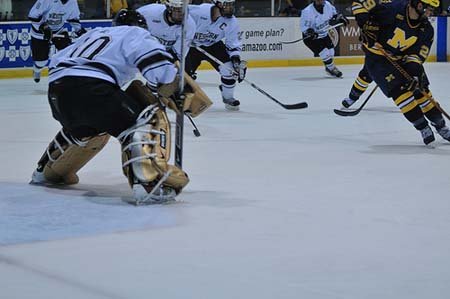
column 115, row 54
column 168, row 35
column 208, row 32
column 311, row 18
column 55, row 14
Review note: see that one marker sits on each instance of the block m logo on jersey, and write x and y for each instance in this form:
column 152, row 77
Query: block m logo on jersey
column 399, row 40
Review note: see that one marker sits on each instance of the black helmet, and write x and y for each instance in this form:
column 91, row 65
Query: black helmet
column 425, row 3
column 129, row 17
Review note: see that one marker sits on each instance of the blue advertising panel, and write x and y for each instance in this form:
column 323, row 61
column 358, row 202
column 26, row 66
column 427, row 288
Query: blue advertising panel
column 15, row 39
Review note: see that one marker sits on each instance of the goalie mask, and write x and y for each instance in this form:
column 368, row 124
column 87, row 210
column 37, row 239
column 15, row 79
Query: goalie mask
column 424, row 7
column 175, row 11
column 226, row 7
column 129, row 17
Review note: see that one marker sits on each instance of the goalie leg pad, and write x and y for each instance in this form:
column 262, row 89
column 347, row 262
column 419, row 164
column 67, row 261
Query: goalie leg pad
column 65, row 156
column 199, row 101
column 141, row 93
column 146, row 151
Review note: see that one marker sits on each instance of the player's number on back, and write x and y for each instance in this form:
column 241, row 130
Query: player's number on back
column 90, row 49
column 369, row 4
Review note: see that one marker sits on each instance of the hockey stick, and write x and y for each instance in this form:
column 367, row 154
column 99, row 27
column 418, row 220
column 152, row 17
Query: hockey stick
column 300, row 105
column 300, row 39
column 179, row 122
column 356, row 111
column 411, row 79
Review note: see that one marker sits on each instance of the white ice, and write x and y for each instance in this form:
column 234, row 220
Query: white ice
column 281, row 204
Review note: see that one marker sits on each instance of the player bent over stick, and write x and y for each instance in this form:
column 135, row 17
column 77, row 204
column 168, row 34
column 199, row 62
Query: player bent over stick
column 85, row 97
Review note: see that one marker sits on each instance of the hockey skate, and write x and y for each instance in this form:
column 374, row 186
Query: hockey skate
column 444, row 132
column 36, row 76
column 333, row 72
column 347, row 103
column 145, row 195
column 231, row 104
column 427, row 135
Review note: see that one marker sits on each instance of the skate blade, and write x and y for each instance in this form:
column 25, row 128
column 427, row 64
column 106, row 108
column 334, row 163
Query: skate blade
column 231, row 108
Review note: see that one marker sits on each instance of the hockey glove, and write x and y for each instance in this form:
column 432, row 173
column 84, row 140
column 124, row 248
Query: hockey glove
column 338, row 19
column 80, row 32
column 310, row 34
column 46, row 30
column 417, row 72
column 239, row 67
column 369, row 33
column 62, row 40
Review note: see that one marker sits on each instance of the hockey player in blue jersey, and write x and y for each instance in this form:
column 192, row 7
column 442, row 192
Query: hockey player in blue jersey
column 400, row 31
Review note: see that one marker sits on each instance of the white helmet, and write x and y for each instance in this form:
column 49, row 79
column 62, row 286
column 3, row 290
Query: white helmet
column 175, row 10
column 174, row 3
column 226, row 7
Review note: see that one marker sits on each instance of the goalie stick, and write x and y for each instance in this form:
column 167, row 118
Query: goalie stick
column 300, row 39
column 356, row 111
column 300, row 105
column 179, row 122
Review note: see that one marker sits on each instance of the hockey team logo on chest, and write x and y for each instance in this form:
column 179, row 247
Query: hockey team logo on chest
column 12, row 35
column 55, row 18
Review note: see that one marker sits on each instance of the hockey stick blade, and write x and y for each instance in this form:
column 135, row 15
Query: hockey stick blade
column 356, row 111
column 301, row 105
column 347, row 112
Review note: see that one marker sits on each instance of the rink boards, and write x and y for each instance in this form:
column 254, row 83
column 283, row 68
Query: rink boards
column 261, row 44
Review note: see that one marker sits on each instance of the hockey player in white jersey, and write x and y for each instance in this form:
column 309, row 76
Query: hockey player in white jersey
column 47, row 18
column 214, row 23
column 165, row 25
column 314, row 23
column 85, row 96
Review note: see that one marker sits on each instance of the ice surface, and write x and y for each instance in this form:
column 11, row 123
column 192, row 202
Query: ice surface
column 281, row 204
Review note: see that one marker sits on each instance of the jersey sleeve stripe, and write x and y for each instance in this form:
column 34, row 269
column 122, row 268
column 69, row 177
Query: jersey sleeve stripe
column 36, row 20
column 359, row 11
column 155, row 67
column 148, row 61
column 146, row 54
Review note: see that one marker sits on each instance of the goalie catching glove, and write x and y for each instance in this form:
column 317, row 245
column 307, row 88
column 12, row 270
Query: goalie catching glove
column 239, row 68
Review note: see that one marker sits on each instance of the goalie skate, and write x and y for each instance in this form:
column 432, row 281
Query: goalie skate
column 141, row 196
